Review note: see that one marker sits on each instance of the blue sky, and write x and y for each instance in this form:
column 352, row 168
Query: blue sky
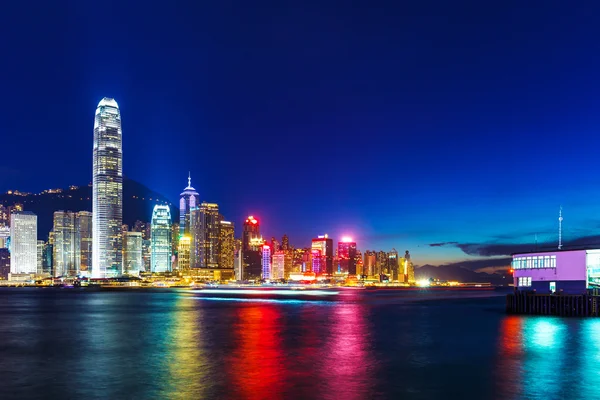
column 400, row 124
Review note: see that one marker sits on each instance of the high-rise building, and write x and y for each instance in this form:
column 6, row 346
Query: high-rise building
column 175, row 234
column 133, row 262
column 278, row 265
column 147, row 254
column 393, row 265
column 285, row 242
column 83, row 240
column 64, row 244
column 161, row 239
column 144, row 228
column 4, row 216
column 4, row 263
column 23, row 236
column 274, row 245
column 107, row 191
column 183, row 253
column 325, row 245
column 189, row 199
column 4, row 235
column 251, row 231
column 347, row 256
column 266, row 261
column 370, row 260
column 226, row 244
column 40, row 256
column 381, row 265
column 205, row 236
column 316, row 261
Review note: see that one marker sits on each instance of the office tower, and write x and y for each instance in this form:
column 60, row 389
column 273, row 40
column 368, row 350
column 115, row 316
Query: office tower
column 4, row 235
column 133, row 262
column 83, row 243
column 359, row 263
column 4, row 263
column 47, row 257
column 266, row 261
column 278, row 268
column 285, row 242
column 147, row 254
column 188, row 200
column 161, row 239
column 381, row 264
column 205, row 224
column 175, row 234
column 107, row 191
column 393, row 265
column 317, row 264
column 238, row 263
column 298, row 260
column 275, row 247
column 347, row 256
column 325, row 245
column 251, row 231
column 369, row 263
column 183, row 253
column 23, row 236
column 226, row 244
column 64, row 243
column 40, row 256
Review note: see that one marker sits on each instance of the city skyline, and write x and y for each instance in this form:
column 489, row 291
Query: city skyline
column 413, row 138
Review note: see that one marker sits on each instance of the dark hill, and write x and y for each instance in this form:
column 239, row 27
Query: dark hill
column 138, row 202
column 460, row 274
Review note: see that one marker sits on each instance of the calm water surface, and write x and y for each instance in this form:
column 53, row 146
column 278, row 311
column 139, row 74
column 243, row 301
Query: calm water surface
column 178, row 345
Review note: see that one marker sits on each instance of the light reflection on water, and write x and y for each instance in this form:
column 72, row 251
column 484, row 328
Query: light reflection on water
column 177, row 345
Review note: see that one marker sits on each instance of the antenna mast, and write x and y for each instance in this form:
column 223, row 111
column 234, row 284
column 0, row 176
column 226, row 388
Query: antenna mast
column 560, row 219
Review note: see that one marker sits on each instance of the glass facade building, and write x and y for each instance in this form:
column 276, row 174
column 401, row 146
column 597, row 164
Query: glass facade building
column 226, row 244
column 132, row 255
column 23, row 246
column 83, row 236
column 107, row 191
column 205, row 236
column 64, row 243
column 189, row 199
column 161, row 239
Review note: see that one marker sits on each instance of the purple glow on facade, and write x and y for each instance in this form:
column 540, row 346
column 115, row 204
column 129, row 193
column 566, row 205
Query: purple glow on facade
column 570, row 266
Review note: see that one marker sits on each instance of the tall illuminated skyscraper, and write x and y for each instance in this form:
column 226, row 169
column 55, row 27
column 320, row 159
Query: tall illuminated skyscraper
column 266, row 261
column 23, row 246
column 107, row 191
column 64, row 243
column 188, row 200
column 133, row 262
column 205, row 235
column 325, row 245
column 161, row 239
column 251, row 231
column 347, row 256
column 226, row 244
column 83, row 237
column 183, row 253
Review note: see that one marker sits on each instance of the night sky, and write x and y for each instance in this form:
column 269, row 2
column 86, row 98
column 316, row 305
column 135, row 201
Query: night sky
column 402, row 124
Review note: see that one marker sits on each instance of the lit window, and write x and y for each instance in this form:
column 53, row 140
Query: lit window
column 541, row 262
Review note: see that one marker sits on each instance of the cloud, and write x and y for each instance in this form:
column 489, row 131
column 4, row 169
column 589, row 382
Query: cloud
column 507, row 249
column 443, row 244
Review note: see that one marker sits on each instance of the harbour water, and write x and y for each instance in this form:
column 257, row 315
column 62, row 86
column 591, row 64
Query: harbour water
column 184, row 345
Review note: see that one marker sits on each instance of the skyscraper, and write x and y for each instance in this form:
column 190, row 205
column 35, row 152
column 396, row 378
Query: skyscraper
column 183, row 253
column 107, row 190
column 188, row 200
column 205, row 235
column 226, row 244
column 133, row 262
column 40, row 256
column 278, row 267
column 4, row 263
column 64, row 243
column 251, row 231
column 23, row 236
column 266, row 261
column 347, row 256
column 285, row 242
column 161, row 239
column 325, row 245
column 83, row 239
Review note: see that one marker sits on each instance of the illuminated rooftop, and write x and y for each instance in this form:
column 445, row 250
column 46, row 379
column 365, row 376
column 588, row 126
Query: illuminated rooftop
column 108, row 102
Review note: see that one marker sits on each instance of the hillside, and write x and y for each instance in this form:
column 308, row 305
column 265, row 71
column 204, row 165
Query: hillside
column 138, row 202
column 457, row 273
